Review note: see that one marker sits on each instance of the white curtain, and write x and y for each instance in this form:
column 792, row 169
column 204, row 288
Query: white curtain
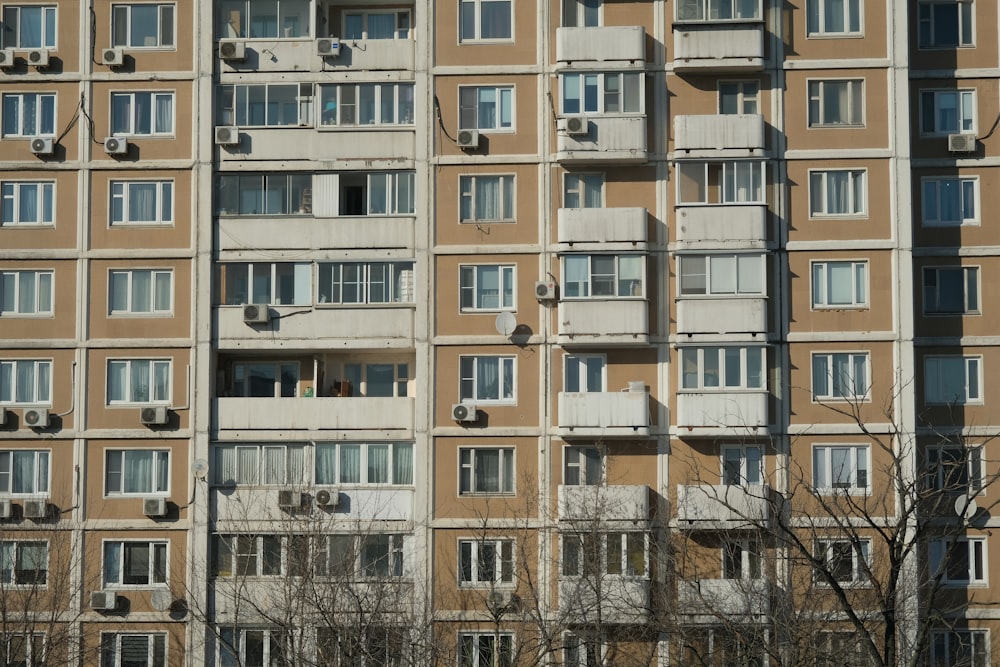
column 112, row 562
column 225, row 465
column 378, row 464
column 350, row 464
column 402, row 463
column 142, row 202
column 487, row 471
column 495, row 19
column 488, row 378
column 23, row 472
column 138, row 471
column 326, row 464
column 246, row 465
column 164, row 113
column 274, row 465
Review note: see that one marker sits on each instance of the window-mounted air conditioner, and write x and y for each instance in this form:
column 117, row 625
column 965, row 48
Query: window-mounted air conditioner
column 575, row 125
column 154, row 506
column 38, row 57
column 962, row 143
column 153, row 415
column 36, row 509
column 327, row 498
column 113, row 57
column 43, row 145
column 545, row 290
column 468, row 139
column 36, row 417
column 256, row 313
column 231, row 49
column 464, row 412
column 328, row 47
column 103, row 600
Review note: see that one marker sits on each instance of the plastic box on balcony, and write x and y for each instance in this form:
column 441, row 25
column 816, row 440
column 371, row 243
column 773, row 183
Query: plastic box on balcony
column 720, row 413
column 719, row 315
column 372, row 326
column 267, row 416
column 718, row 47
column 604, row 322
column 607, row 503
column 584, row 46
column 614, row 599
column 719, row 135
column 723, row 227
column 619, row 414
column 581, row 228
column 723, row 507
column 724, row 597
column 311, row 231
column 614, row 139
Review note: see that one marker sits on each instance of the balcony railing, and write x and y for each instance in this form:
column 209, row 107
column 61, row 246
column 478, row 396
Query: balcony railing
column 620, row 139
column 307, row 232
column 601, row 43
column 300, row 55
column 385, row 325
column 238, row 504
column 578, row 226
column 618, row 414
column 722, row 227
column 306, row 143
column 719, row 47
column 604, row 322
column 713, row 411
column 720, row 507
column 724, row 597
column 722, row 134
column 607, row 503
column 391, row 415
column 722, row 315
column 611, row 599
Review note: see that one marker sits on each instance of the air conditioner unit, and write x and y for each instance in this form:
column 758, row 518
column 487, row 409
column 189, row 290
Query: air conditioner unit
column 6, row 509
column 545, row 290
column 3, row 416
column 328, row 46
column 38, row 57
column 153, row 415
column 498, row 599
column 468, row 139
column 256, row 313
column 36, row 509
column 962, row 143
column 43, row 145
column 116, row 145
column 231, row 49
column 326, row 498
column 227, row 135
column 36, row 417
column 6, row 58
column 103, row 600
column 464, row 412
column 289, row 499
column 154, row 506
column 113, row 57
column 575, row 125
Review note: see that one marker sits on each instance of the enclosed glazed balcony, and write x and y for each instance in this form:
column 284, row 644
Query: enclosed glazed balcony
column 358, row 326
column 304, row 55
column 270, row 416
column 609, row 503
column 604, row 322
column 609, row 599
column 719, row 135
column 713, row 413
column 346, row 598
column 308, row 232
column 580, row 226
column 718, row 46
column 724, row 597
column 618, row 414
column 239, row 504
column 602, row 139
column 722, row 507
column 305, row 143
column 720, row 315
column 721, row 226
column 584, row 46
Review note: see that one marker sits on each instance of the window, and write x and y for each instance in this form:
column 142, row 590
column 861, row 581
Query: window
column 582, row 651
column 26, row 382
column 951, row 290
column 273, row 19
column 721, row 275
column 377, row 193
column 368, row 556
column 485, row 562
column 135, row 563
column 24, row 563
column 485, row 649
column 251, row 647
column 487, row 379
column 717, row 10
column 960, row 648
column 366, row 282
column 365, row 646
column 269, row 465
column 29, row 27
column 377, row 24
column 841, row 649
column 487, row 287
column 136, row 472
column 596, row 276
column 955, row 469
column 722, row 368
column 582, row 466
column 481, row 20
column 841, row 467
column 833, row 18
column 581, row 13
column 265, row 105
column 141, row 291
column 142, row 114
column 840, row 375
column 837, row 192
column 266, row 379
column 360, row 464
column 958, row 560
column 375, row 379
column 29, row 114
column 142, row 202
column 142, row 26
column 845, row 561
column 133, row 650
column 264, row 194
column 23, row 649
column 617, row 553
column 361, row 104
column 839, row 284
column 584, row 372
column 745, row 646
column 947, row 111
column 836, row 102
column 741, row 559
column 139, row 380
column 25, row 293
column 486, row 198
column 486, row 107
column 952, row 380
column 602, row 92
column 26, row 203
column 583, row 190
column 485, row 470
column 24, row 472
column 944, row 25
column 742, row 465
column 732, row 182
column 739, row 97
column 246, row 555
column 949, row 201
column 279, row 284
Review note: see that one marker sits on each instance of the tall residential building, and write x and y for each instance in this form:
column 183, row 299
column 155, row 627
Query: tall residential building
column 483, row 333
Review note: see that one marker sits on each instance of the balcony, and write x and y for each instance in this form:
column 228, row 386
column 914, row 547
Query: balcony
column 723, row 507
column 721, row 135
column 606, row 598
column 271, row 416
column 239, row 505
column 349, row 599
column 724, row 597
column 721, row 227
column 722, row 413
column 718, row 47
column 306, row 232
column 607, row 503
column 373, row 54
column 328, row 143
column 604, row 322
column 619, row 414
column 314, row 327
column 299, row 55
column 720, row 315
column 579, row 226
column 584, row 46
column 607, row 139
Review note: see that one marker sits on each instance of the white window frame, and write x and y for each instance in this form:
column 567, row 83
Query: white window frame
column 818, row 92
column 583, row 189
column 742, row 559
column 232, row 186
column 955, row 469
column 857, row 467
column 336, row 111
column 276, row 15
column 401, row 31
column 472, row 189
column 485, row 649
column 968, row 197
column 817, row 14
column 822, row 284
column 820, row 193
column 43, row 123
column 128, row 276
column 37, row 303
column 578, row 369
column 371, row 283
column 472, row 558
column 731, row 181
column 362, row 376
column 159, row 553
column 159, row 475
column 704, row 368
column 11, row 557
column 276, row 273
column 244, row 549
column 122, row 193
column 583, row 465
column 469, row 481
column 123, row 19
column 582, row 651
column 861, row 560
column 32, row 646
column 972, row 382
column 156, row 647
column 827, row 391
column 256, row 459
column 621, row 89
column 41, row 466
column 932, row 290
column 155, row 365
column 504, row 98
column 476, row 7
column 965, row 19
column 582, row 14
column 621, row 541
column 239, row 104
column 976, row 556
column 471, row 290
column 841, row 648
column 48, row 27
column 232, row 644
column 744, row 92
column 627, row 276
column 965, row 106
column 717, row 11
column 15, row 192
column 472, row 388
column 40, row 381
column 240, row 374
column 744, row 279
column 395, row 474
column 749, row 459
column 130, row 127
column 960, row 647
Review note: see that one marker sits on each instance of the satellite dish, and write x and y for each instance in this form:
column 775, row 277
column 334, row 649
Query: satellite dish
column 506, row 323
column 160, row 599
column 199, row 468
column 966, row 507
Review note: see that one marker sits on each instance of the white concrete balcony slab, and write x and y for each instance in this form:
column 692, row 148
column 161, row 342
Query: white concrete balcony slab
column 721, row 412
column 718, row 315
column 243, row 599
column 719, row 135
column 371, row 326
column 326, row 143
column 618, row 414
column 299, row 55
column 604, row 322
column 237, row 233
column 584, row 46
column 617, row 139
column 586, row 226
column 722, row 227
column 719, row 47
column 610, row 599
column 724, row 597
column 723, row 507
column 391, row 415
column 373, row 54
column 237, row 505
column 608, row 503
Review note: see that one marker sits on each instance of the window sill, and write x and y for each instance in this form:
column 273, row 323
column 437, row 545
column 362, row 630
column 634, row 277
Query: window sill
column 839, row 308
column 971, row 313
column 497, row 41
column 331, row 127
column 839, row 126
column 835, row 35
column 487, row 494
column 711, row 22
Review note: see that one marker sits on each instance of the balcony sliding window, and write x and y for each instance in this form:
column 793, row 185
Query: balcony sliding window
column 602, row 92
column 266, row 379
column 730, row 182
column 374, row 24
column 603, row 276
column 364, row 464
column 279, row 284
column 366, row 283
column 29, row 26
column 264, row 194
column 267, row 19
column 265, row 105
column 721, row 275
column 373, row 379
column 366, row 104
column 258, row 465
column 718, row 10
column 377, row 193
column 722, row 368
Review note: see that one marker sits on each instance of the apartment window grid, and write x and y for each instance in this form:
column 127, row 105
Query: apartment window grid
column 946, row 25
column 26, row 293
column 948, row 201
column 840, row 376
column 947, row 112
column 582, row 650
column 722, row 275
column 276, row 19
column 722, row 368
column 366, row 283
column 143, row 26
column 375, row 646
column 742, row 559
column 24, row 649
column 477, row 649
column 142, row 114
column 136, row 472
column 487, row 287
column 718, row 10
column 486, row 198
column 842, row 284
column 377, row 24
column 582, row 466
column 721, row 183
column 604, row 276
column 955, row 469
column 24, row 563
column 366, row 556
column 141, row 292
column 142, row 202
column 742, row 465
column 619, row 554
column 739, row 97
column 29, row 26
column 581, row 13
column 24, row 472
column 951, row 290
column 847, row 561
column 266, row 283
column 264, row 194
column 364, row 464
column 26, row 382
column 485, row 562
column 585, row 373
column 602, row 93
column 121, row 649
column 960, row 648
column 266, row 379
column 485, row 20
column 487, row 108
column 265, row 105
column 135, row 563
column 953, row 380
column 583, row 190
column 366, row 104
column 834, row 18
column 27, row 203
column 487, row 379
column 259, row 465
column 486, row 471
column 133, row 381
column 29, row 115
column 837, row 193
column 836, row 103
column 841, row 469
column 959, row 561
column 841, row 649
column 247, row 646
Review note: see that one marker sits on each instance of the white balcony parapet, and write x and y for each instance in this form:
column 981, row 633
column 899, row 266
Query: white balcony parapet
column 235, row 506
column 719, row 47
column 373, row 54
column 725, row 506
column 299, row 55
column 724, row 597
column 581, row 226
column 611, row 599
column 620, row 139
column 601, row 43
column 721, row 315
column 619, row 414
column 330, row 142
column 313, row 233
column 722, row 412
column 720, row 135
column 722, row 227
column 605, row 503
column 230, row 597
column 393, row 415
column 355, row 328
column 604, row 322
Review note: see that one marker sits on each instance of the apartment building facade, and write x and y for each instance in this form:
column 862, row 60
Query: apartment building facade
column 579, row 332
